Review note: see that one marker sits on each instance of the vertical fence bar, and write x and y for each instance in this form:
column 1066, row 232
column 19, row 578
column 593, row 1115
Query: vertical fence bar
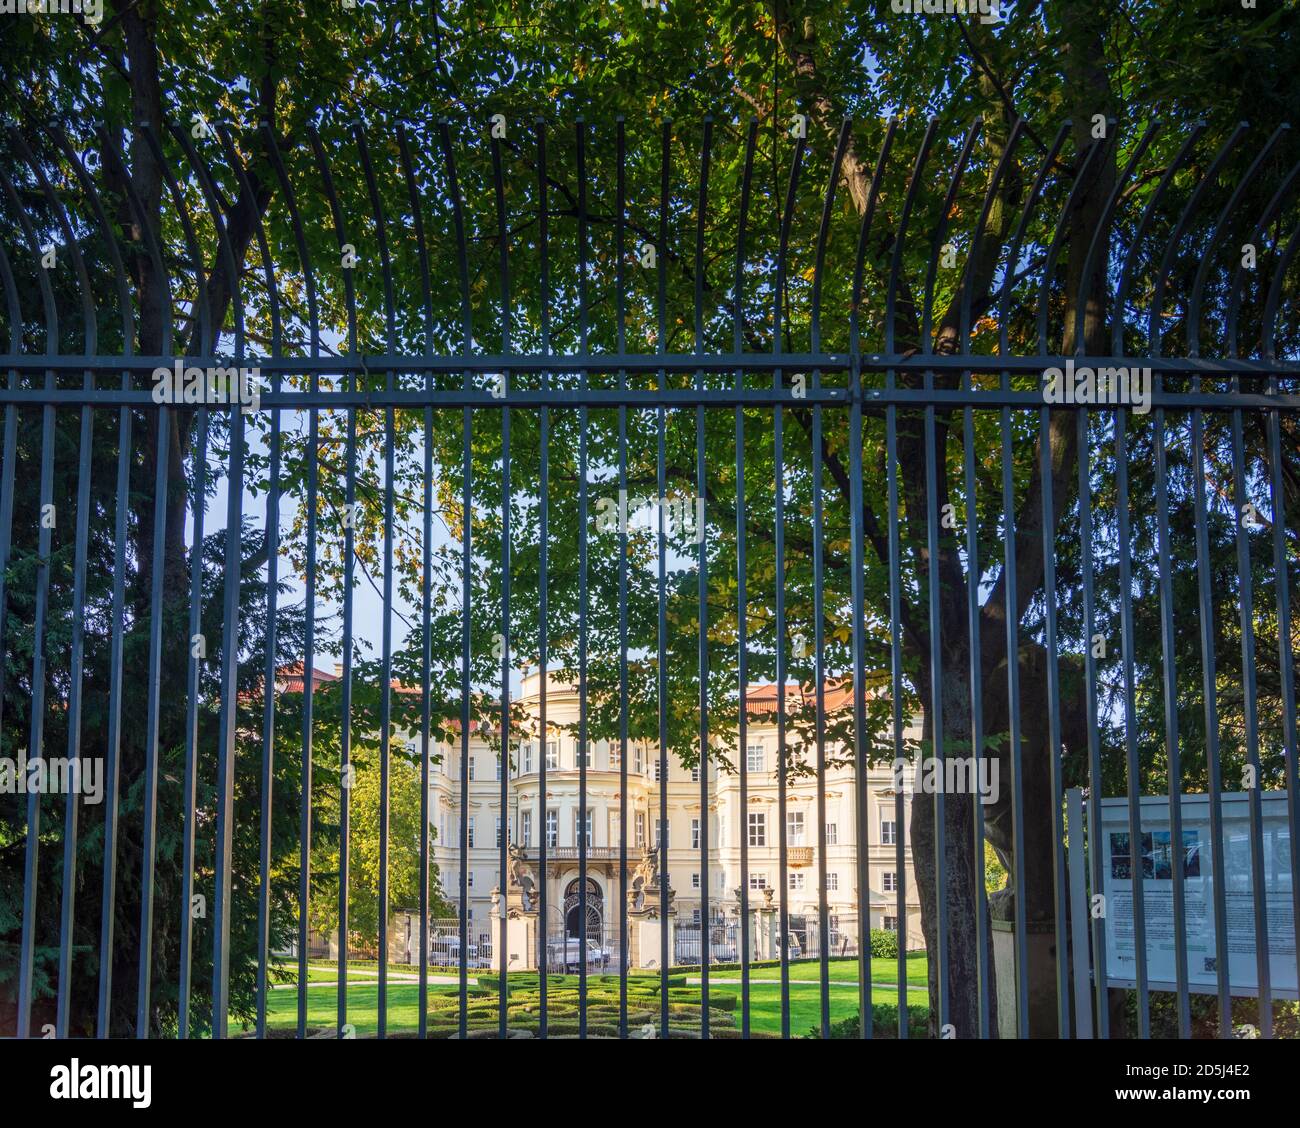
column 1286, row 670
column 1101, row 982
column 272, row 608
column 234, row 537
column 264, row 892
column 823, row 934
column 386, row 629
column 1010, row 603
column 858, row 605
column 229, row 720
column 426, row 585
column 108, row 920
column 584, row 746
column 503, row 262
column 196, row 645
column 82, row 532
column 309, row 671
column 1251, row 777
column 1154, row 342
column 1013, row 716
column 778, row 457
column 1054, row 726
column 742, row 595
column 1281, row 576
column 67, row 908
column 467, row 339
column 35, row 744
column 1209, row 690
column 661, row 346
column 702, row 609
column 940, row 965
column 621, row 331
column 974, row 647
column 10, row 452
column 544, row 425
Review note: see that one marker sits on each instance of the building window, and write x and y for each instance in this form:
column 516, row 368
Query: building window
column 695, row 834
column 498, row 776
column 656, row 767
column 695, row 774
column 577, row 825
column 526, row 828
column 582, row 754
column 552, row 755
column 891, row 881
column 888, row 830
column 832, row 882
column 526, row 757
column 471, row 769
column 795, row 880
column 891, row 924
column 552, row 828
column 794, row 828
column 640, row 829
column 498, row 831
column 637, row 764
column 695, row 917
column 695, row 881
column 469, row 879
column 754, row 757
column 661, row 834
column 832, row 834
column 757, row 828
column 615, row 756
column 469, row 829
column 758, row 881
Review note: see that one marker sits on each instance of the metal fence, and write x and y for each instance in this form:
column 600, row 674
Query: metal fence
column 943, row 514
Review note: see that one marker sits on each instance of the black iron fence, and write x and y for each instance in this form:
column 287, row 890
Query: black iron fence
column 895, row 498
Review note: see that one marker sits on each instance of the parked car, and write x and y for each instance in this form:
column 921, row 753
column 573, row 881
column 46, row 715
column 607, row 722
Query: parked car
column 444, row 951
column 567, row 953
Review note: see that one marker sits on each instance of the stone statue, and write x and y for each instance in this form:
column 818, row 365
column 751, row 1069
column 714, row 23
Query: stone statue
column 643, row 878
column 521, row 875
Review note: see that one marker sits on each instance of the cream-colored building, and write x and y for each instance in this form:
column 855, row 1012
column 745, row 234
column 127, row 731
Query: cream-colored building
column 691, row 872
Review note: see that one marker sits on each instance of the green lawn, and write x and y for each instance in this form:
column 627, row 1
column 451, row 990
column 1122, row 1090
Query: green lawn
column 765, row 1000
column 840, row 970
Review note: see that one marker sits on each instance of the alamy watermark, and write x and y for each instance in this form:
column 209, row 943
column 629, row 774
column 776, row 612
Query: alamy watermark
column 179, row 384
column 76, row 1081
column 682, row 516
column 951, row 775
column 989, row 11
column 92, row 11
column 53, row 775
column 1117, row 386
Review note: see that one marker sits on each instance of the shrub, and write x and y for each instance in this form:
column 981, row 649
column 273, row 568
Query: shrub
column 884, row 1023
column 884, row 945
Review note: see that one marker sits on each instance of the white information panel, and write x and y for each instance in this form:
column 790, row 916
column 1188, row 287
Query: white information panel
column 1120, row 862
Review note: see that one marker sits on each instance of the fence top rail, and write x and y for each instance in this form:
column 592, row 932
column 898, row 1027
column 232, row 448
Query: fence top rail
column 951, row 398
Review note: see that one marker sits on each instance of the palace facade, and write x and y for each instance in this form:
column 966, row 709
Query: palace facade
column 528, row 820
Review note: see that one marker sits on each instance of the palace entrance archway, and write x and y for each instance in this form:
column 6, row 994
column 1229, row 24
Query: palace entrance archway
column 573, row 908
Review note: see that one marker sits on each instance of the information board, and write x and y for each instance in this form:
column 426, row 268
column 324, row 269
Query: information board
column 1153, row 858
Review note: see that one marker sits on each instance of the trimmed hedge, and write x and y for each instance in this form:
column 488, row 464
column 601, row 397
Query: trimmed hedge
column 523, row 1007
